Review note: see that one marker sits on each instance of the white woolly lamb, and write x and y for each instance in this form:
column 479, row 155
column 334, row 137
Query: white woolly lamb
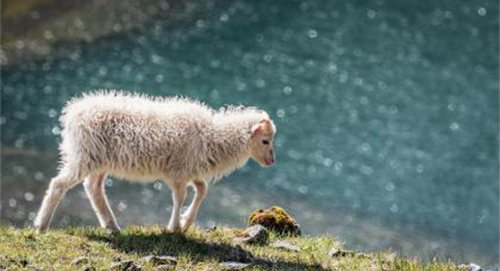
column 136, row 137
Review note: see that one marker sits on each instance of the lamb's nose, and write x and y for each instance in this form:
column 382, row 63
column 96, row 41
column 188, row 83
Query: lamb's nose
column 269, row 161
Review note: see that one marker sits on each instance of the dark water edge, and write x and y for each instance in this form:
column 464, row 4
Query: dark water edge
column 229, row 203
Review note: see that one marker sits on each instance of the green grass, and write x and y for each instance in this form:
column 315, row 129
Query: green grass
column 198, row 249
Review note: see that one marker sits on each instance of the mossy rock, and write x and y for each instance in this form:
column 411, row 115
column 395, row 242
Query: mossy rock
column 275, row 219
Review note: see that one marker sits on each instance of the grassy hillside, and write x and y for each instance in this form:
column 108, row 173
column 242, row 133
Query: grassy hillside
column 94, row 249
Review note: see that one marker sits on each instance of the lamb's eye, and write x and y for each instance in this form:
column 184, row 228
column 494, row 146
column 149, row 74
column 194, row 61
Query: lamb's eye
column 265, row 142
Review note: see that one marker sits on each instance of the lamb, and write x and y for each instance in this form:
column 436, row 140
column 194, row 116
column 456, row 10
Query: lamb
column 179, row 141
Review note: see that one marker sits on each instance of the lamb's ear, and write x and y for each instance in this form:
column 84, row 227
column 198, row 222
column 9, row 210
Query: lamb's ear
column 266, row 116
column 256, row 129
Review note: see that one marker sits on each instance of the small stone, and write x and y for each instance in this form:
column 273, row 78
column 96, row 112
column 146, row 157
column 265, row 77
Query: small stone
column 24, row 262
column 165, row 267
column 256, row 234
column 33, row 267
column 286, row 246
column 334, row 253
column 213, row 228
column 362, row 255
column 234, row 265
column 470, row 267
column 161, row 260
column 125, row 266
column 115, row 266
column 80, row 260
column 390, row 258
column 238, row 254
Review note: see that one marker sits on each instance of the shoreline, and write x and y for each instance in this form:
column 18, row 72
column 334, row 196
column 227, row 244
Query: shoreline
column 37, row 29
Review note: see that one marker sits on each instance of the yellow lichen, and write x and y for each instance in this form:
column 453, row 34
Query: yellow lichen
column 275, row 219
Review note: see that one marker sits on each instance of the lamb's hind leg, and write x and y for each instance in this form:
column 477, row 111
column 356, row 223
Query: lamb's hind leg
column 178, row 196
column 56, row 191
column 189, row 216
column 94, row 186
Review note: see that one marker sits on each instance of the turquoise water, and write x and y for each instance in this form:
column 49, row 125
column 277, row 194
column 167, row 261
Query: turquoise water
column 387, row 116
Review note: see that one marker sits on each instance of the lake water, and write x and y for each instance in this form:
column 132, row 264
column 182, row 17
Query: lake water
column 387, row 115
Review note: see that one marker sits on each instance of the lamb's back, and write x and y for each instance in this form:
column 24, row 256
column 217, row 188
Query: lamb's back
column 111, row 127
column 134, row 108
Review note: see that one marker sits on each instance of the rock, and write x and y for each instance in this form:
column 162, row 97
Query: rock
column 335, row 253
column 238, row 254
column 234, row 265
column 285, row 245
column 24, row 262
column 125, row 266
column 275, row 219
column 255, row 235
column 362, row 255
column 470, row 267
column 116, row 266
column 80, row 260
column 160, row 260
column 165, row 267
column 211, row 229
column 390, row 258
column 32, row 267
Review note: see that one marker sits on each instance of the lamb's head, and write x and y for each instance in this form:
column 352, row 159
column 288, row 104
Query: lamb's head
column 261, row 142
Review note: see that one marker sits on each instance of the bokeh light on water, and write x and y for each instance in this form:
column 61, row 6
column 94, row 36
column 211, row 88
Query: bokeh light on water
column 387, row 116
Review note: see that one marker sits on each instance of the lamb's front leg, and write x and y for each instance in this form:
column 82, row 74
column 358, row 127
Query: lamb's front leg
column 189, row 216
column 178, row 197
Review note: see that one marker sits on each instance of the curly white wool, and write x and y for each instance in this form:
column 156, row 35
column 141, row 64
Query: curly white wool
column 142, row 138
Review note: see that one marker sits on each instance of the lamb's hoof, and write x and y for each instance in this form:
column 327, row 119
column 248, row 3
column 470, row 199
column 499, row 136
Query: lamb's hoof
column 113, row 230
column 185, row 228
column 174, row 229
column 40, row 229
column 185, row 224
